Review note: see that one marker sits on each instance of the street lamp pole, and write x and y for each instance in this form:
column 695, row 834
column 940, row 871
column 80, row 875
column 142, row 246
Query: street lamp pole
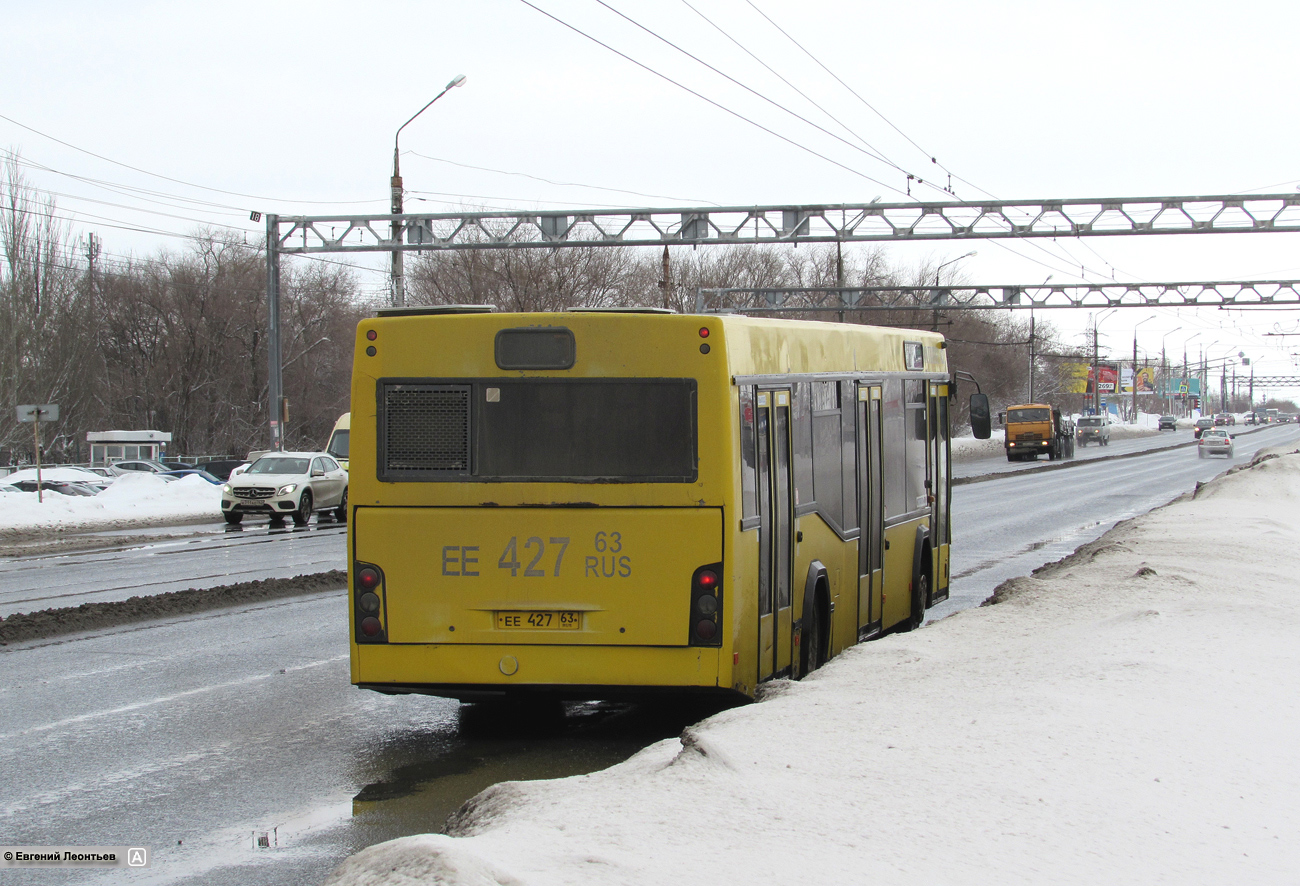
column 1135, row 366
column 399, row 282
column 1096, row 364
column 1164, row 367
column 1186, row 410
column 934, row 325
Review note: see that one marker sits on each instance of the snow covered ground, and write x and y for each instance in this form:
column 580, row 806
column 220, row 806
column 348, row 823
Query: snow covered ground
column 132, row 500
column 1126, row 716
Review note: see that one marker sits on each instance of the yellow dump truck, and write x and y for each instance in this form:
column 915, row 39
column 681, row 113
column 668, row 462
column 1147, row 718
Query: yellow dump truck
column 1034, row 429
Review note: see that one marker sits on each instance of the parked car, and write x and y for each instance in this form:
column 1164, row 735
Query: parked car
column 195, row 472
column 1214, row 441
column 62, row 474
column 60, row 486
column 1093, row 428
column 1168, row 423
column 284, row 484
column 221, row 468
column 1203, row 424
column 140, row 465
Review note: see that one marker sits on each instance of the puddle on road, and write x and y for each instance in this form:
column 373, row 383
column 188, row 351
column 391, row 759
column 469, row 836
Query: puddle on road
column 418, row 786
column 415, row 777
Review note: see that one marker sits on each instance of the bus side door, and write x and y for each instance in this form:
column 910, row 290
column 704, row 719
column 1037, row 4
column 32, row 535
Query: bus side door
column 871, row 513
column 775, row 614
column 941, row 491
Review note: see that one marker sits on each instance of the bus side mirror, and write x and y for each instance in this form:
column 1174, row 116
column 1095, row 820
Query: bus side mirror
column 980, row 423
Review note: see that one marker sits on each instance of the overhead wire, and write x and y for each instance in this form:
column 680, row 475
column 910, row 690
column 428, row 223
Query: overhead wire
column 708, row 100
column 554, row 182
column 869, row 151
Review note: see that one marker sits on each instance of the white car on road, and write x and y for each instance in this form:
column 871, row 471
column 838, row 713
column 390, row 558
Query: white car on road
column 292, row 484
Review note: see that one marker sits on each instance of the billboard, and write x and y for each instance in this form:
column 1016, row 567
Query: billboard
column 1103, row 378
column 1074, row 377
column 1180, row 388
column 1146, row 380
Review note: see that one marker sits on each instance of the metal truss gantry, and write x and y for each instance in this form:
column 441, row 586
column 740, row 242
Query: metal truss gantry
column 776, row 224
column 814, row 223
column 1230, row 293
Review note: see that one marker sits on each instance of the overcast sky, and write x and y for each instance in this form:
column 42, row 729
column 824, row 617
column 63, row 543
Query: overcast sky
column 225, row 108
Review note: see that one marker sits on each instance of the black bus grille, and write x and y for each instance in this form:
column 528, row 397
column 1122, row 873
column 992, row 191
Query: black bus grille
column 425, row 430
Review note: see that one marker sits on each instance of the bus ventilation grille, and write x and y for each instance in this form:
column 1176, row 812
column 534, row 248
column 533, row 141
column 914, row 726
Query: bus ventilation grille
column 426, row 430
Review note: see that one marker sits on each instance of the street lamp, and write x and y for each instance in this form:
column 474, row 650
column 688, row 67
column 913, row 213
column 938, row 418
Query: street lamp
column 935, row 299
column 1096, row 366
column 1135, row 365
column 1186, row 410
column 1164, row 367
column 399, row 285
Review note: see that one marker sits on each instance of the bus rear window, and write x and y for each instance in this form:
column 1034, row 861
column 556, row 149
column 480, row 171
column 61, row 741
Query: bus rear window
column 606, row 430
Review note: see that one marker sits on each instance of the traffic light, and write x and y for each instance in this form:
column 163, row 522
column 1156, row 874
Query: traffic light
column 1196, row 402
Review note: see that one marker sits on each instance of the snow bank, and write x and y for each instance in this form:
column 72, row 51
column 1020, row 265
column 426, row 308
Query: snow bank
column 132, row 500
column 1125, row 716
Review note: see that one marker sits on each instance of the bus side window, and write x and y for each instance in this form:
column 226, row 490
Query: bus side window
column 802, row 432
column 828, row 484
column 917, row 438
column 748, row 459
column 849, row 454
column 894, row 448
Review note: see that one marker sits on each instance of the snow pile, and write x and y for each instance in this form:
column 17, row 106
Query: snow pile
column 132, row 499
column 1123, row 717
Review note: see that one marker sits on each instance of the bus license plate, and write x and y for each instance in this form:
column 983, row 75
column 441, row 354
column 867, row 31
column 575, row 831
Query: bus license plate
column 539, row 621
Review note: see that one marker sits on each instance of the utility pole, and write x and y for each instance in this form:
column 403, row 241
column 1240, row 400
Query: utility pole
column 1031, row 355
column 1135, row 375
column 667, row 282
column 1096, row 374
column 399, row 283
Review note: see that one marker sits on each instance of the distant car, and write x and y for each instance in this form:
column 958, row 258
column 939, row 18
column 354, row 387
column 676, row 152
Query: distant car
column 1232, row 418
column 1221, row 420
column 1214, row 441
column 1168, row 422
column 1203, row 424
column 293, row 484
column 1094, row 428
column 140, row 465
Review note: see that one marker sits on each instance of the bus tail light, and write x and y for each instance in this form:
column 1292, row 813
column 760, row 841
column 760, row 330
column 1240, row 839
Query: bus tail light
column 706, row 606
column 368, row 603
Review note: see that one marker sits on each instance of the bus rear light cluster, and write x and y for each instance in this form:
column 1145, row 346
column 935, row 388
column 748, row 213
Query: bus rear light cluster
column 367, row 591
column 706, row 606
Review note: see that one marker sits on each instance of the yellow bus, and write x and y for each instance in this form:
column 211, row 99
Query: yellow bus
column 595, row 504
column 339, row 439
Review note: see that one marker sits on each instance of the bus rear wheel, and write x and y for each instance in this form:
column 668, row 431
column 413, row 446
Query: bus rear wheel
column 811, row 654
column 920, row 596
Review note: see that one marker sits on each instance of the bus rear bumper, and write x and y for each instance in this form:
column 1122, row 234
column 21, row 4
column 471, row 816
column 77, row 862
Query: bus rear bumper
column 479, row 672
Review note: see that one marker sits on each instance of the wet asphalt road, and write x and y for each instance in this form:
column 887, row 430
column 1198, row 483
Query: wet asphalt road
column 201, row 556
column 194, row 735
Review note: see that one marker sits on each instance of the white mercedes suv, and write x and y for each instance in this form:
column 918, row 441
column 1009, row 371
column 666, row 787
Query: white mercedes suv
column 292, row 484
